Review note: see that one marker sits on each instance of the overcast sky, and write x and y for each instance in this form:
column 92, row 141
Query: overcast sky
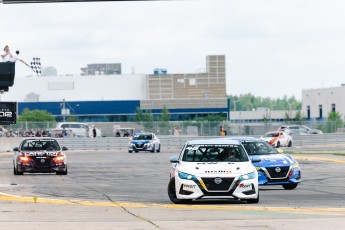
column 273, row 48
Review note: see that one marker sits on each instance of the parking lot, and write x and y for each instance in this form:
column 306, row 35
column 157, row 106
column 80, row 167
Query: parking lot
column 115, row 188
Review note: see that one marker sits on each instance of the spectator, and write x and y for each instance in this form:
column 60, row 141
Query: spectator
column 38, row 133
column 221, row 131
column 94, row 133
column 15, row 58
column 117, row 133
column 44, row 133
column 7, row 55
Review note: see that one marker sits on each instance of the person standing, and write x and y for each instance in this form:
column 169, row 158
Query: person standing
column 221, row 131
column 7, row 56
column 94, row 133
column 15, row 58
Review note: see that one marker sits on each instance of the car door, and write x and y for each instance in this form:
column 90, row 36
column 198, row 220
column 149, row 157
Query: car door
column 283, row 138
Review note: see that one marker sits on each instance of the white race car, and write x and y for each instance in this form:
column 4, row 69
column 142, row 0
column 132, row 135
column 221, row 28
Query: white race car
column 213, row 169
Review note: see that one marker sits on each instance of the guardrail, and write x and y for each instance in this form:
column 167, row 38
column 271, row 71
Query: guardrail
column 108, row 143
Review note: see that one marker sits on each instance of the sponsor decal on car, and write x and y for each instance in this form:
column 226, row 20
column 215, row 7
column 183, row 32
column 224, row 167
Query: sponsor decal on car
column 41, row 154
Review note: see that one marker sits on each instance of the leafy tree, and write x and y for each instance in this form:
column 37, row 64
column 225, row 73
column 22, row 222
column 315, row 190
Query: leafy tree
column 334, row 122
column 71, row 119
column 212, row 117
column 36, row 115
column 165, row 116
column 248, row 102
column 139, row 116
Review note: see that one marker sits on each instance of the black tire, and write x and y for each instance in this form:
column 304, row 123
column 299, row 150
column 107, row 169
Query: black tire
column 172, row 193
column 16, row 172
column 254, row 201
column 159, row 149
column 278, row 144
column 130, row 151
column 289, row 186
column 153, row 149
column 62, row 172
column 290, row 144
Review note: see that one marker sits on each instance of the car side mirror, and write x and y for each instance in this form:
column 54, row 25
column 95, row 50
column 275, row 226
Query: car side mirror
column 256, row 159
column 64, row 148
column 16, row 149
column 174, row 159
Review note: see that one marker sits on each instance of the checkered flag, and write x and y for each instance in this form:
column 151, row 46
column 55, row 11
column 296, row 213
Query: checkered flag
column 35, row 65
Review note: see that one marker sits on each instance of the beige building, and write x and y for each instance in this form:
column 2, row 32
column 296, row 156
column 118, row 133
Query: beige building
column 195, row 90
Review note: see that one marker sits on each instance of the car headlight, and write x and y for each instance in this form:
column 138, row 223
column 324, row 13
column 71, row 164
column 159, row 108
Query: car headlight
column 295, row 165
column 186, row 176
column 247, row 176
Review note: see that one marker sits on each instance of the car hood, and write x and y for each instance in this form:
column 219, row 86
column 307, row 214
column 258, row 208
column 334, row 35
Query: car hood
column 211, row 169
column 273, row 160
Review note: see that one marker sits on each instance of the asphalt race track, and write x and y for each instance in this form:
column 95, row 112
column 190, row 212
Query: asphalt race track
column 139, row 180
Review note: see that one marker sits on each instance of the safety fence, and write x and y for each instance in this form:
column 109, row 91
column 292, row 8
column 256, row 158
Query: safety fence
column 167, row 142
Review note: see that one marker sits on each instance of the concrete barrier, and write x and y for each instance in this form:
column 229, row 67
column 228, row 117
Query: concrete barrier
column 7, row 143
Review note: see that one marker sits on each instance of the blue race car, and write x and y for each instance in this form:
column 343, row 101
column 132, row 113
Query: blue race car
column 144, row 142
column 274, row 168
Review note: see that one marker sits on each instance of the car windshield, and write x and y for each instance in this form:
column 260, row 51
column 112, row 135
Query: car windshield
column 143, row 137
column 271, row 135
column 258, row 148
column 40, row 145
column 214, row 153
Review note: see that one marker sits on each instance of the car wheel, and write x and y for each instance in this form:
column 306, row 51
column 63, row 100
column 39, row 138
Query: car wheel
column 289, row 186
column 130, row 151
column 254, row 201
column 172, row 193
column 159, row 149
column 153, row 149
column 62, row 172
column 278, row 144
column 290, row 144
column 16, row 172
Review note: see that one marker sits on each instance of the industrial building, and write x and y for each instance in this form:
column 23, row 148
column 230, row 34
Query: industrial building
column 102, row 97
column 317, row 103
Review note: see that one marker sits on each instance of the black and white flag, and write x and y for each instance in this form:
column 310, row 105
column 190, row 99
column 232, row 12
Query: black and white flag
column 35, row 65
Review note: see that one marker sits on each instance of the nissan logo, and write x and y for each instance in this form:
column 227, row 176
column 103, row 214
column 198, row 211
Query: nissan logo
column 278, row 169
column 42, row 160
column 217, row 180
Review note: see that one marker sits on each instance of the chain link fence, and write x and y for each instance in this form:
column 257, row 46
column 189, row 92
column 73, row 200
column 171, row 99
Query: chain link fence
column 190, row 128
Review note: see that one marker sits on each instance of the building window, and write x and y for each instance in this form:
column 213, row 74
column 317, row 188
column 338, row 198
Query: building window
column 308, row 112
column 320, row 111
column 333, row 108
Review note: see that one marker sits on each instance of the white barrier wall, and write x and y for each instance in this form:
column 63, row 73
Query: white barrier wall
column 8, row 143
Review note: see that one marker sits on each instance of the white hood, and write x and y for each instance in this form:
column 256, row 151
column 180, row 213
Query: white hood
column 211, row 169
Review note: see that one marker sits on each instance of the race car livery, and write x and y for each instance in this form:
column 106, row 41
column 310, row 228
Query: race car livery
column 39, row 155
column 144, row 142
column 209, row 169
column 277, row 139
column 273, row 168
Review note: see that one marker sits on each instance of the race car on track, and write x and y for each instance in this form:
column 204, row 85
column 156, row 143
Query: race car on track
column 39, row 155
column 273, row 168
column 144, row 142
column 218, row 169
column 278, row 139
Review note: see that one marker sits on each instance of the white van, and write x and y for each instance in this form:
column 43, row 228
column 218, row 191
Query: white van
column 79, row 129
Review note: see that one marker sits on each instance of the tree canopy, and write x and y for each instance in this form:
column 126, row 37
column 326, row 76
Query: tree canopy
column 36, row 115
column 248, row 102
